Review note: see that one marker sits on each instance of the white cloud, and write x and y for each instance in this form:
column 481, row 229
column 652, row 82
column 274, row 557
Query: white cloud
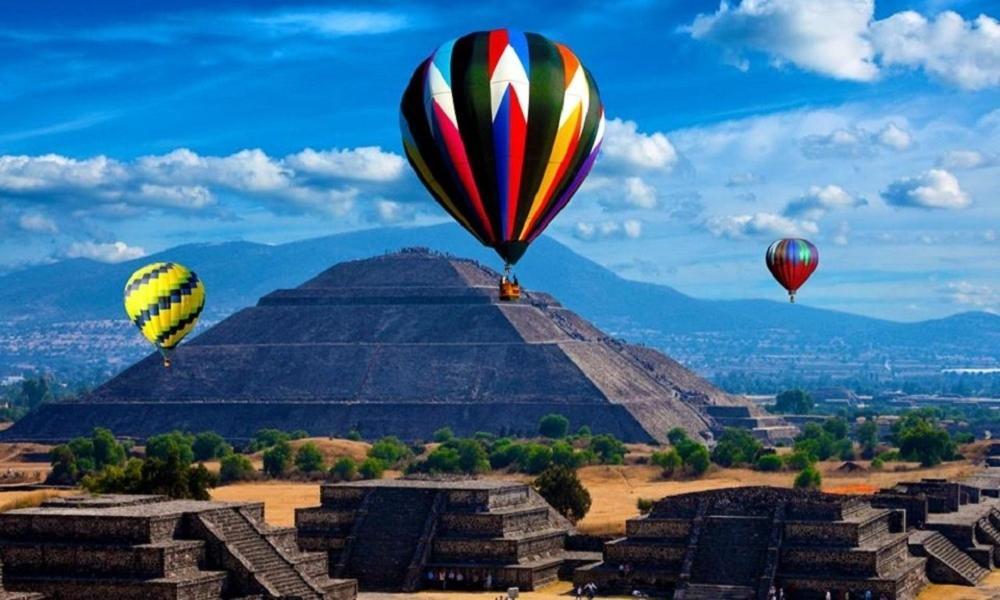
column 969, row 294
column 368, row 163
column 819, row 200
column 36, row 223
column 935, row 188
column 841, row 39
column 111, row 252
column 761, row 223
column 639, row 194
column 962, row 53
column 326, row 181
column 967, row 159
column 829, row 37
column 855, row 142
column 627, row 229
column 624, row 145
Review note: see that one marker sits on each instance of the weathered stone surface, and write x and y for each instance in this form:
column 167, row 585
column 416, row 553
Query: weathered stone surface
column 401, row 344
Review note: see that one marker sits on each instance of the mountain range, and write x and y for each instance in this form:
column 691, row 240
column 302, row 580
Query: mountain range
column 67, row 315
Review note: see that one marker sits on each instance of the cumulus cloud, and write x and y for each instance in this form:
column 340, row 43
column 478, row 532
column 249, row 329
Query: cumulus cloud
column 624, row 145
column 967, row 159
column 36, row 223
column 829, row 37
column 110, row 252
column 975, row 295
column 841, row 39
column 962, row 53
column 819, row 200
column 758, row 224
column 933, row 189
column 327, row 181
column 855, row 142
column 627, row 229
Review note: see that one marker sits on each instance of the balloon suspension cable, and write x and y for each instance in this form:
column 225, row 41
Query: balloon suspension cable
column 506, row 271
column 166, row 357
column 791, row 297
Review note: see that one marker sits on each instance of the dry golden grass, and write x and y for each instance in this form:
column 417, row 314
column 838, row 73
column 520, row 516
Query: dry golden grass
column 28, row 499
column 332, row 449
column 988, row 589
column 280, row 498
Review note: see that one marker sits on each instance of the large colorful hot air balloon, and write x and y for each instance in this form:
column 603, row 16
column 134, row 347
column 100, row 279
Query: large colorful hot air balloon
column 792, row 261
column 164, row 301
column 502, row 127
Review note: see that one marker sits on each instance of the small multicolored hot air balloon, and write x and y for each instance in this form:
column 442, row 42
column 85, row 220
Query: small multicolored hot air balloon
column 792, row 261
column 164, row 300
column 502, row 127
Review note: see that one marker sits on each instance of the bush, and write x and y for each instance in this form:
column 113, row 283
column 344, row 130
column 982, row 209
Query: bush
column 562, row 489
column 309, row 459
column 867, row 437
column 444, row 459
column 344, row 469
column 564, row 455
column 174, row 444
column 371, row 468
column 443, row 435
column 389, row 450
column 107, row 450
column 836, row 427
column 553, row 426
column 768, row 463
column 537, row 458
column 677, row 436
column 266, row 438
column 964, row 437
column 278, row 459
column 697, row 461
column 799, row 460
column 736, row 447
column 298, row 434
column 670, row 461
column 877, row 464
column 354, row 435
column 472, row 457
column 209, row 445
column 506, row 453
column 608, row 449
column 808, row 478
column 235, row 467
column 645, row 505
column 583, row 432
column 922, row 439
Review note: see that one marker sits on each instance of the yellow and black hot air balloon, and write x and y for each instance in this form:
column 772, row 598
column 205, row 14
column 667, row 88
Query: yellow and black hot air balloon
column 164, row 300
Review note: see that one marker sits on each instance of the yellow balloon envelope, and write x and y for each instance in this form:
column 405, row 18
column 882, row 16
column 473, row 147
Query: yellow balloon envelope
column 164, row 300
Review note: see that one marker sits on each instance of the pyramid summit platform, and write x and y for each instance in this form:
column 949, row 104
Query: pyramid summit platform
column 401, row 344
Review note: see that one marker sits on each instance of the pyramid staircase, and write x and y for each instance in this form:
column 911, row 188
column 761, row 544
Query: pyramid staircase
column 946, row 562
column 277, row 572
column 704, row 591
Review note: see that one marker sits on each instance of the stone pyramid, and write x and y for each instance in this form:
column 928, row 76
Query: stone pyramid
column 400, row 344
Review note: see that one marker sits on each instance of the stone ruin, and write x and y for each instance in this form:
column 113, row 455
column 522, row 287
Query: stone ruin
column 737, row 543
column 405, row 535
column 150, row 548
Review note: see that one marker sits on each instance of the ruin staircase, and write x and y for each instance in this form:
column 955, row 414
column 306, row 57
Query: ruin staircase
column 423, row 551
column 360, row 515
column 702, row 591
column 773, row 553
column 386, row 535
column 262, row 561
column 684, row 578
column 949, row 557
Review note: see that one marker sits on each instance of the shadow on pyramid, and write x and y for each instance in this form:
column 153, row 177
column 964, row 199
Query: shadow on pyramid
column 401, row 344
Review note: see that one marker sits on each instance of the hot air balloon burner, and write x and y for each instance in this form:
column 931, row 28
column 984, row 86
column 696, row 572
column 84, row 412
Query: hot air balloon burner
column 166, row 358
column 510, row 289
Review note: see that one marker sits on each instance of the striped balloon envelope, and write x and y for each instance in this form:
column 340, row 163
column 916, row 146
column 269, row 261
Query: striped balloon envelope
column 792, row 261
column 502, row 127
column 164, row 300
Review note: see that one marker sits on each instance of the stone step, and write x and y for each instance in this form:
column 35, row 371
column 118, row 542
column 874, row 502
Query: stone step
column 961, row 566
column 195, row 585
column 697, row 591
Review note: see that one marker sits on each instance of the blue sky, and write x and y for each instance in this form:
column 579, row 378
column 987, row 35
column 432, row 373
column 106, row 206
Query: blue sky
column 871, row 128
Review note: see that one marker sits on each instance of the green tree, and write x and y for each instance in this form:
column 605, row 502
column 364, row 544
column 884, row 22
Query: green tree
column 923, row 440
column 309, row 459
column 354, row 435
column 562, row 489
column 836, row 427
column 472, row 457
column 344, row 469
column 677, row 436
column 64, row 468
column 235, row 467
column 793, row 401
column 867, row 437
column 444, row 459
column 799, row 460
column 371, row 468
column 107, row 450
column 278, row 459
column 564, row 455
column 808, row 478
column 736, row 447
column 443, row 435
column 298, row 434
column 34, row 391
column 169, row 444
column 266, row 438
column 697, row 460
column 609, row 450
column 389, row 450
column 537, row 458
column 209, row 445
column 83, row 450
column 768, row 463
column 670, row 461
column 553, row 426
